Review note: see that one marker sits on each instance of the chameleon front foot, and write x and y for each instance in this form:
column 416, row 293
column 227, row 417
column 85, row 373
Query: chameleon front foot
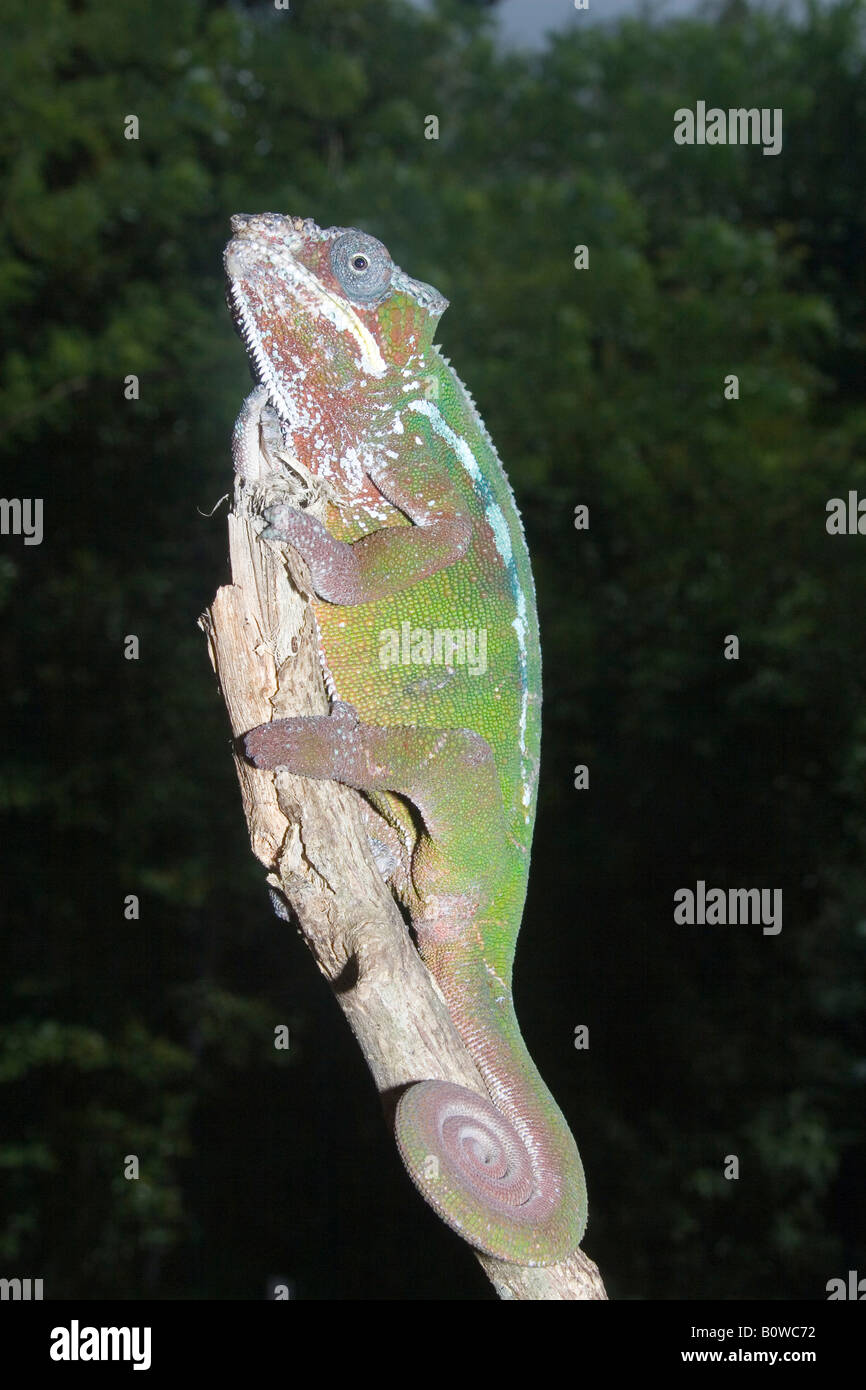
column 375, row 566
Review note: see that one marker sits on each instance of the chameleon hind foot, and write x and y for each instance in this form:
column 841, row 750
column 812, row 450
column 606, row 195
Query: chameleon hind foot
column 448, row 774
column 465, row 1155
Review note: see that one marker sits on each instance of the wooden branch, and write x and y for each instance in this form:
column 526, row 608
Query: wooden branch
column 311, row 838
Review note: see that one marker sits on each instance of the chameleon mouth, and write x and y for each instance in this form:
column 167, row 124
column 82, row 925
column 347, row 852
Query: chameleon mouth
column 244, row 321
column 261, row 254
column 242, row 260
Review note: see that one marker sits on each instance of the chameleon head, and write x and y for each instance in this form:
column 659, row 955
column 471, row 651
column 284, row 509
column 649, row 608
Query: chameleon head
column 335, row 329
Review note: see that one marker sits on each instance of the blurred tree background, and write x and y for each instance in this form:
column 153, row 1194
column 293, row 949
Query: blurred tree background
column 604, row 387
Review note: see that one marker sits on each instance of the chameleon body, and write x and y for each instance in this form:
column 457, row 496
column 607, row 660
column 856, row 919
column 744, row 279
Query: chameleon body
column 418, row 535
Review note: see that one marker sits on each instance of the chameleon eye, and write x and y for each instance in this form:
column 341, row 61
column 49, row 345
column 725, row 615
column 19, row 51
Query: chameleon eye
column 361, row 265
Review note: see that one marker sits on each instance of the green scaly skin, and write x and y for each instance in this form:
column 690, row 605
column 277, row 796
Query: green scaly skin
column 420, row 528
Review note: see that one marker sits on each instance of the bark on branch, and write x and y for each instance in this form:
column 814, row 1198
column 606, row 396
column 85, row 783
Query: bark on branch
column 310, row 836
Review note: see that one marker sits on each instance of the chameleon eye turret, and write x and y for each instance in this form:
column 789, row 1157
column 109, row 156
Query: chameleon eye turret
column 362, row 266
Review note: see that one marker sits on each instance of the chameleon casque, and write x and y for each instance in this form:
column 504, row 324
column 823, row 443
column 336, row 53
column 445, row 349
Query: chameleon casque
column 421, row 528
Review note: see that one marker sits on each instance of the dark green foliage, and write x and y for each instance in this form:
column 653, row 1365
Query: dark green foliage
column 154, row 1037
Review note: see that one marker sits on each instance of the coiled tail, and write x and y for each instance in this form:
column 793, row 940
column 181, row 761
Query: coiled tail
column 504, row 1172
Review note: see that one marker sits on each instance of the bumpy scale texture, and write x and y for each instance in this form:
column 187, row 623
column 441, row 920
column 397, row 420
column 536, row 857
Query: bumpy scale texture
column 420, row 533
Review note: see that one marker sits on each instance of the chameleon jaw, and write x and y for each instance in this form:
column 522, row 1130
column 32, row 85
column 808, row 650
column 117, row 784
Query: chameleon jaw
column 253, row 254
column 245, row 323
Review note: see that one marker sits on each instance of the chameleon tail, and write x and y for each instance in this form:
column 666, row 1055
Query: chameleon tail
column 504, row 1172
column 506, row 1175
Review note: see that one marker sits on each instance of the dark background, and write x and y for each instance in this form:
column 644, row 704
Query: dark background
column 155, row 1037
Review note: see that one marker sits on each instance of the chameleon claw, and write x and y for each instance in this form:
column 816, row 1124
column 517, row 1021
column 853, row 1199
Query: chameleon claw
column 276, row 529
column 256, row 747
column 341, row 709
column 300, row 743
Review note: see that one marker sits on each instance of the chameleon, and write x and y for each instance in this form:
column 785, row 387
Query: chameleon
column 419, row 536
